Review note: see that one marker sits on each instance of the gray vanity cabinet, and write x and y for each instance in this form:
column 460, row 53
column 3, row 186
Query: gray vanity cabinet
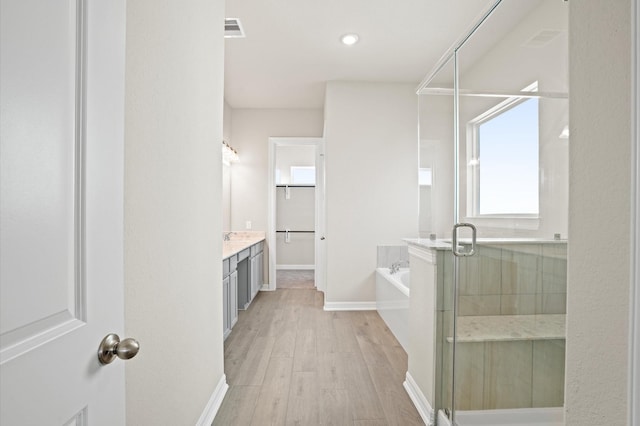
column 257, row 268
column 229, row 294
column 250, row 276
column 241, row 280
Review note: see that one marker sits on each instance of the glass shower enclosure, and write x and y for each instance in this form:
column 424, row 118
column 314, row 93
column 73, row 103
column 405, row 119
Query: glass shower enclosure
column 494, row 153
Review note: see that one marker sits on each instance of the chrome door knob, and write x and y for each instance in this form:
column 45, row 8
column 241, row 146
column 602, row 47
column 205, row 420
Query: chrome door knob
column 111, row 347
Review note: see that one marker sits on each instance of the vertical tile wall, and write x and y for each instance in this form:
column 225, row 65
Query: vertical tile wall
column 522, row 279
column 507, row 279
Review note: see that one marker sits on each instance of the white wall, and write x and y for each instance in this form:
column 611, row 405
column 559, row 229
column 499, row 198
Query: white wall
column 226, row 170
column 597, row 364
column 437, row 152
column 173, row 294
column 511, row 65
column 251, row 130
column 287, row 156
column 506, row 65
column 372, row 180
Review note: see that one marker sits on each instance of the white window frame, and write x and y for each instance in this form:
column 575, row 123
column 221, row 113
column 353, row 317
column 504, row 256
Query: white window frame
column 473, row 171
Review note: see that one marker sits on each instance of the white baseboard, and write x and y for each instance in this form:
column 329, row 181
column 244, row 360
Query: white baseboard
column 210, row 411
column 420, row 401
column 305, row 267
column 443, row 420
column 349, row 306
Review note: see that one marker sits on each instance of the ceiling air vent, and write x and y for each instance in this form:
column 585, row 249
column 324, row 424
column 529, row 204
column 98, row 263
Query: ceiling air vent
column 542, row 38
column 233, row 28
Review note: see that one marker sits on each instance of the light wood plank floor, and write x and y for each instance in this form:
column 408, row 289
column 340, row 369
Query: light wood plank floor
column 288, row 362
column 295, row 278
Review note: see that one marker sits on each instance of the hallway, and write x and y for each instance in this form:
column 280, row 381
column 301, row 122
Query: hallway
column 289, row 362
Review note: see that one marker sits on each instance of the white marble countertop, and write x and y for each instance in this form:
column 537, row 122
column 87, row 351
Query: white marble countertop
column 445, row 244
column 428, row 243
column 239, row 241
column 501, row 328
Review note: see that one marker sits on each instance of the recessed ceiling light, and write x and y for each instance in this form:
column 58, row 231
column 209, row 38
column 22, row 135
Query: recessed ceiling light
column 349, row 39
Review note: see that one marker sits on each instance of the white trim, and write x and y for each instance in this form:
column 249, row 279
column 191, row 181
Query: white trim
column 295, row 267
column 349, row 306
column 420, row 401
column 319, row 144
column 634, row 320
column 212, row 407
column 425, row 254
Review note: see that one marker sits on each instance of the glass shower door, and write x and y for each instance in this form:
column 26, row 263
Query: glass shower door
column 511, row 174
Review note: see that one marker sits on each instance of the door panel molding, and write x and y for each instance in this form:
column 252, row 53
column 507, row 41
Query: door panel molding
column 56, row 314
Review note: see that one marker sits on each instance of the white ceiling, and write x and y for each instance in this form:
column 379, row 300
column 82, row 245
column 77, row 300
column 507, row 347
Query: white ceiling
column 292, row 47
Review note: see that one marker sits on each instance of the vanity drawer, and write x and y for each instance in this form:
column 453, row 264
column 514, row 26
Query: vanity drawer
column 257, row 248
column 225, row 267
column 244, row 254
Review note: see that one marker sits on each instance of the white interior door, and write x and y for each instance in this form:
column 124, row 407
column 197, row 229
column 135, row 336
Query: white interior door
column 61, row 259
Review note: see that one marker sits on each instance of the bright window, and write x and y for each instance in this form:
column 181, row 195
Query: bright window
column 504, row 162
column 425, row 178
column 303, row 175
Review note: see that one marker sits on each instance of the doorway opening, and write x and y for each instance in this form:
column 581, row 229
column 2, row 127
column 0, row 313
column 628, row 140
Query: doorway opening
column 296, row 213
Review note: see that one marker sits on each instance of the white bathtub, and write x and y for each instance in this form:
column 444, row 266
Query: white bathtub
column 392, row 302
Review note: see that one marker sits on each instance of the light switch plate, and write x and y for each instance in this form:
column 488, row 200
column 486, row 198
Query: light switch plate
column 248, row 225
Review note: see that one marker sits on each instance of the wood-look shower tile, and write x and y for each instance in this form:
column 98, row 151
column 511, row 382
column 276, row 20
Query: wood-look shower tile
column 508, row 374
column 470, row 375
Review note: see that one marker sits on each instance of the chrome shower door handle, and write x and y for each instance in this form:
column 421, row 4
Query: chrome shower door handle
column 454, row 240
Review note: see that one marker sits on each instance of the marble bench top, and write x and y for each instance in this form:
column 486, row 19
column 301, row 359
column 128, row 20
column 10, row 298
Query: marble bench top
column 500, row 328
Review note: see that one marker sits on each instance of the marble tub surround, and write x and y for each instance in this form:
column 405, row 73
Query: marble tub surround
column 438, row 244
column 390, row 254
column 239, row 241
